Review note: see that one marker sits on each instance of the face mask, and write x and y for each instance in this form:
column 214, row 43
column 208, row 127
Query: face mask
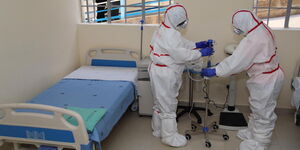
column 237, row 31
column 182, row 25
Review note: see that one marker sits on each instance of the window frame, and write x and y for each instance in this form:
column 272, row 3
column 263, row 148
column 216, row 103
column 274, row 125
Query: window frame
column 289, row 8
column 143, row 5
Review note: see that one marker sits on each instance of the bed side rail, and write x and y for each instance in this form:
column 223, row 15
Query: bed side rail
column 40, row 128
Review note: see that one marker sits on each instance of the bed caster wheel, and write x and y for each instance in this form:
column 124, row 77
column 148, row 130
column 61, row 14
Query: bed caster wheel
column 225, row 137
column 297, row 118
column 215, row 126
column 207, row 144
column 193, row 127
column 210, row 113
column 188, row 137
column 199, row 121
column 134, row 106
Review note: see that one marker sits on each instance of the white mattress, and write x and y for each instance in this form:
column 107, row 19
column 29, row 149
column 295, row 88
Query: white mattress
column 105, row 73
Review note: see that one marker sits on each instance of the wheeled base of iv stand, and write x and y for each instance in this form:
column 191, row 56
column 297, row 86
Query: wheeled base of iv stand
column 190, row 108
column 206, row 129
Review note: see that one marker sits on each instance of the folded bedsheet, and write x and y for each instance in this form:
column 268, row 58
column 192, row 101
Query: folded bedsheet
column 90, row 116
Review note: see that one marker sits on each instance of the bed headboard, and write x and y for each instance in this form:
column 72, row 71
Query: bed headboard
column 112, row 57
column 41, row 129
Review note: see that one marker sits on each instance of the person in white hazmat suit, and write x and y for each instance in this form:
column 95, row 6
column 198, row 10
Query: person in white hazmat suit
column 256, row 54
column 169, row 52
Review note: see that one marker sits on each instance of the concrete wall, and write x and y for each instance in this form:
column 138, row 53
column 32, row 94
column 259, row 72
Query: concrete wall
column 208, row 19
column 38, row 45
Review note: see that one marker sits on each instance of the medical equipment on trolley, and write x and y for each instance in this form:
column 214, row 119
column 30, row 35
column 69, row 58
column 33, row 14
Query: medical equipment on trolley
column 193, row 69
column 231, row 118
column 206, row 128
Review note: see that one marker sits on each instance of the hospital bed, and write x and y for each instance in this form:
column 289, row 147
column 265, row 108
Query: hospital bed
column 107, row 83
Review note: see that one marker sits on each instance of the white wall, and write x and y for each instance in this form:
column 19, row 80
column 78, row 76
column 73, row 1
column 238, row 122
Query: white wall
column 289, row 53
column 38, row 45
column 112, row 36
column 208, row 19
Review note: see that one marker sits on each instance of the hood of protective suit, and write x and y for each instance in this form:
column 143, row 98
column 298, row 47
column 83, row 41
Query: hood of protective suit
column 174, row 15
column 245, row 20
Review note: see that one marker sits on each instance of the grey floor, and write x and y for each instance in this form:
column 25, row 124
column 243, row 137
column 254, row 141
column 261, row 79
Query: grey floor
column 134, row 133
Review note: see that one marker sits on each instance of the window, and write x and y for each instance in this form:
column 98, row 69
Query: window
column 123, row 11
column 279, row 13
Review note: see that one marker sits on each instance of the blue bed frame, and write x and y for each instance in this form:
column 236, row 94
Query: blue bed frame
column 115, row 96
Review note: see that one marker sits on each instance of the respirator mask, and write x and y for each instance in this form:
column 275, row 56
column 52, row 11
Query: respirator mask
column 237, row 31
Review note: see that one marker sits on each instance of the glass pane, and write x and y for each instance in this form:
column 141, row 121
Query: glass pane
column 84, row 2
column 262, row 3
column 279, row 3
column 151, row 2
column 101, row 12
column 129, row 16
column 134, row 20
column 88, row 16
column 294, row 21
column 262, row 13
column 274, row 13
column 277, row 18
column 153, row 19
column 115, row 10
column 156, row 2
column 133, row 13
column 118, row 21
column 102, row 9
column 296, row 3
column 155, row 10
column 92, row 14
column 274, row 3
column 134, row 2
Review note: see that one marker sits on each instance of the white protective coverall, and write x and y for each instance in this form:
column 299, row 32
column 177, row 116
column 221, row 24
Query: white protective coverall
column 169, row 52
column 296, row 93
column 256, row 54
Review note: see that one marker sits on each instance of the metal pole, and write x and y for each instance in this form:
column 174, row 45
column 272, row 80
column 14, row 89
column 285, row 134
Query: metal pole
column 206, row 105
column 269, row 9
column 288, row 14
column 109, row 11
column 88, row 11
column 256, row 6
column 158, row 12
column 141, row 43
column 143, row 11
column 191, row 90
column 125, row 11
column 82, row 13
column 94, row 8
column 142, row 29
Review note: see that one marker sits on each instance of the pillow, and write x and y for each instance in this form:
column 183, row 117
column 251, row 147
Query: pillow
column 113, row 63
